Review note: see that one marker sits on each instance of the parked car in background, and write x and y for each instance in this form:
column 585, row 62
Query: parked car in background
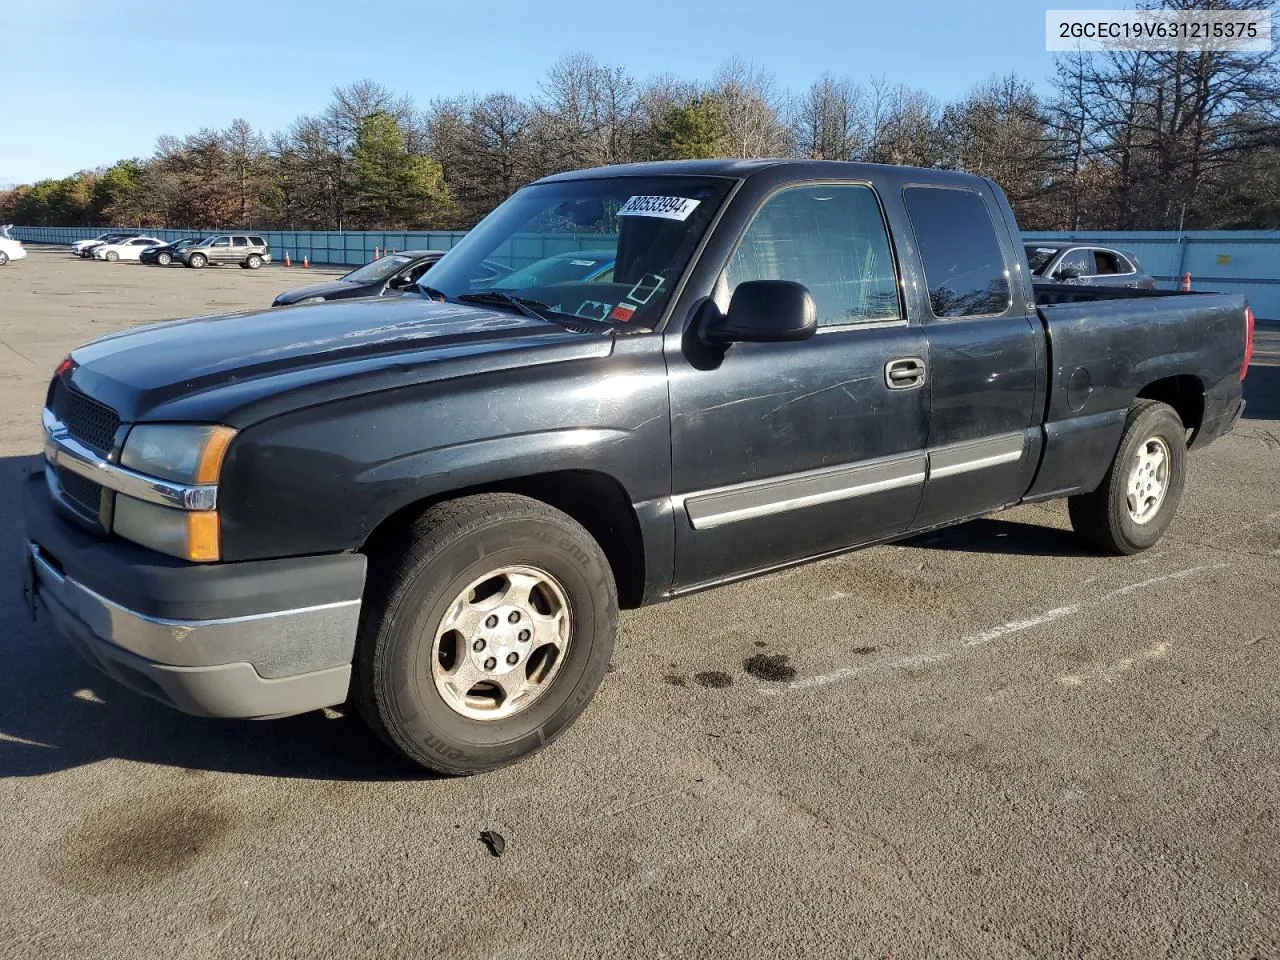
column 84, row 248
column 166, row 253
column 130, row 249
column 10, row 249
column 249, row 250
column 386, row 275
column 1085, row 266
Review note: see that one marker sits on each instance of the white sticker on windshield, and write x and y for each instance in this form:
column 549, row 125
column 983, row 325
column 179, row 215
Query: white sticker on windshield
column 665, row 208
column 583, row 263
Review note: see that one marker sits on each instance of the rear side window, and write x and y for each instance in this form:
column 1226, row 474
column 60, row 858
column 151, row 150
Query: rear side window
column 963, row 265
column 257, row 241
column 832, row 239
column 1110, row 262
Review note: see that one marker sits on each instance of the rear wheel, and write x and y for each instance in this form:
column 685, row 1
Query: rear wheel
column 111, row 256
column 164, row 259
column 1137, row 499
column 253, row 262
column 487, row 636
column 197, row 260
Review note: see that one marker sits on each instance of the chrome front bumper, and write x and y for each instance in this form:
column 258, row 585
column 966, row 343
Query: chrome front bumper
column 261, row 665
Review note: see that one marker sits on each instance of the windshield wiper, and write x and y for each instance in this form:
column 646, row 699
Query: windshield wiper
column 537, row 310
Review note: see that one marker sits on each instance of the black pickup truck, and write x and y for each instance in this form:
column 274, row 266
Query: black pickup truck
column 434, row 505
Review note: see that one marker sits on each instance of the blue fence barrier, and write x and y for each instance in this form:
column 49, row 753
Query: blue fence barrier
column 1231, row 261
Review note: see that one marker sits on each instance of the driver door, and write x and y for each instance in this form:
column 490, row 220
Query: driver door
column 783, row 451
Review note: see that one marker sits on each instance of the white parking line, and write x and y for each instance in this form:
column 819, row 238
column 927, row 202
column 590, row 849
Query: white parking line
column 908, row 661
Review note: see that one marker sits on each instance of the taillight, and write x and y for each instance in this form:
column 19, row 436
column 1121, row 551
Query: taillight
column 68, row 363
column 1248, row 342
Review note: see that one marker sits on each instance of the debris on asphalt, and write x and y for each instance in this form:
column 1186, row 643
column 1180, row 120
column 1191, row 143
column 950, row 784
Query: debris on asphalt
column 494, row 841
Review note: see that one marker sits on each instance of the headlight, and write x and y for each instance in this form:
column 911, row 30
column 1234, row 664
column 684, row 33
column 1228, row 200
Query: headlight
column 187, row 454
column 183, row 453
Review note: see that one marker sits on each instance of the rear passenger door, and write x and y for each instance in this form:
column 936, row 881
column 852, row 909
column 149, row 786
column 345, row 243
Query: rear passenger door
column 987, row 371
column 782, row 451
column 239, row 249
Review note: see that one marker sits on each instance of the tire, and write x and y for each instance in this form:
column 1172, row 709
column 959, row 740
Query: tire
column 4, row 258
column 111, row 256
column 401, row 684
column 197, row 260
column 253, row 262
column 1137, row 500
column 164, row 259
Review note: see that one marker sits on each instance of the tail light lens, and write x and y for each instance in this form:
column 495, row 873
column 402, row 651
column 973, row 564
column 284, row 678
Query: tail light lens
column 1248, row 342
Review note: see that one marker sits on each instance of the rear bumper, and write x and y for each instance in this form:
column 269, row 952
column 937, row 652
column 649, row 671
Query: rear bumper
column 260, row 639
column 1221, row 425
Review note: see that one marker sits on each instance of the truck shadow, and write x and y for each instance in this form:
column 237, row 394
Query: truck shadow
column 992, row 535
column 1262, row 390
column 57, row 712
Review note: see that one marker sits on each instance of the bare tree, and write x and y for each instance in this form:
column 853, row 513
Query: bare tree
column 751, row 110
column 830, row 120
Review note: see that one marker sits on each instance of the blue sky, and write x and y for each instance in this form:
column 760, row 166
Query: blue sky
column 87, row 86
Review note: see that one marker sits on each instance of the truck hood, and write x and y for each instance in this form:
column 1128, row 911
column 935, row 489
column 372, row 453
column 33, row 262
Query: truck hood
column 218, row 368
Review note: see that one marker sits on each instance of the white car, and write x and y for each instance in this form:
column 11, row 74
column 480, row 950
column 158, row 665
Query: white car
column 83, row 248
column 125, row 249
column 10, row 249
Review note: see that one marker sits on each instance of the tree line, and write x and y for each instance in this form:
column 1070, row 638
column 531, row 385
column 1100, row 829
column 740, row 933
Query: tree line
column 1119, row 141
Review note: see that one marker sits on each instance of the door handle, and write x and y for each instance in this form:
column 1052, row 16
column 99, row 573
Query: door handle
column 904, row 373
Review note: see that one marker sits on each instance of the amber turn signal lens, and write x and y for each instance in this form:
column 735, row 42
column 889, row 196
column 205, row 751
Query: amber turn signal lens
column 215, row 449
column 203, row 535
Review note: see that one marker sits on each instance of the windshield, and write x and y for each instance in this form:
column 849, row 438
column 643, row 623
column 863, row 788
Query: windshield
column 4, row 232
column 379, row 270
column 562, row 268
column 1039, row 257
column 647, row 227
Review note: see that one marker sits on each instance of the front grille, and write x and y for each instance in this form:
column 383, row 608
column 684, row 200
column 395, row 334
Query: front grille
column 82, row 492
column 89, row 421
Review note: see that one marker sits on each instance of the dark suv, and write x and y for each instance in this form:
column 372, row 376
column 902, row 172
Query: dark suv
column 249, row 250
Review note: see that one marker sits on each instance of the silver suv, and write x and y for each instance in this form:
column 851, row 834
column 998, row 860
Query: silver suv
column 248, row 250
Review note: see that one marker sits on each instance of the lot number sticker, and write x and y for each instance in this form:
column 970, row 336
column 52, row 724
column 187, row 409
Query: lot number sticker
column 665, row 208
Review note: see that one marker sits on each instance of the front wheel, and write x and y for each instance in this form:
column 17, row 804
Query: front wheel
column 1136, row 501
column 488, row 635
column 111, row 256
column 4, row 258
column 164, row 259
column 197, row 260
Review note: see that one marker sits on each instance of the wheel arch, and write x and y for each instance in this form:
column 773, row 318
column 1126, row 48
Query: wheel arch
column 1185, row 393
column 593, row 498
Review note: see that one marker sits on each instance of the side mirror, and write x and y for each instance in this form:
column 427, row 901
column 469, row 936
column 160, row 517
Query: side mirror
column 1069, row 273
column 398, row 283
column 766, row 311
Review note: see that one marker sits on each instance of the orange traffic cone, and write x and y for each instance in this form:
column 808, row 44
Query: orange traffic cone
column 1186, row 282
column 287, row 261
column 306, row 263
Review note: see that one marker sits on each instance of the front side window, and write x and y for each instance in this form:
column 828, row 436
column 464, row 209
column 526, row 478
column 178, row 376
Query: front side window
column 221, row 242
column 963, row 265
column 1077, row 263
column 832, row 239
column 648, row 227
